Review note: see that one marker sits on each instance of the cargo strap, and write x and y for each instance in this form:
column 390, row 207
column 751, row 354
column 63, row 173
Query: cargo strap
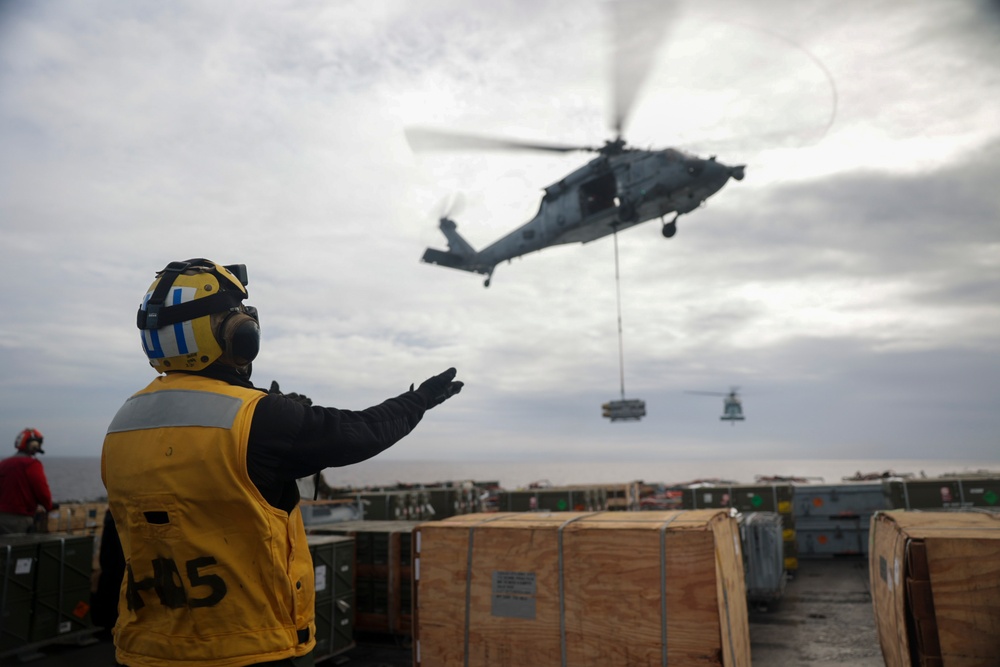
column 663, row 589
column 468, row 580
column 562, row 586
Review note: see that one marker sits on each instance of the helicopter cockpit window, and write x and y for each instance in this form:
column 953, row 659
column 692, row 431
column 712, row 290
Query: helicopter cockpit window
column 670, row 155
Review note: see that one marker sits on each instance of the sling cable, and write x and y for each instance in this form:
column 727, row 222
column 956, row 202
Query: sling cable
column 623, row 409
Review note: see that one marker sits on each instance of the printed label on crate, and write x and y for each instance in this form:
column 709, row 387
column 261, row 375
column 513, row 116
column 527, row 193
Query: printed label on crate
column 514, row 594
column 320, row 576
column 23, row 565
column 65, row 626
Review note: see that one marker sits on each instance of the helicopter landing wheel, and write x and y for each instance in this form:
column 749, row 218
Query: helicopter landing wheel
column 486, row 283
column 670, row 228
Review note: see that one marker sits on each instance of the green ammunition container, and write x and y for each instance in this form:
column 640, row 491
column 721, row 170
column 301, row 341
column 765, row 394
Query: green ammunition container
column 384, row 573
column 566, row 499
column 333, row 565
column 19, row 564
column 62, row 587
column 744, row 498
column 942, row 493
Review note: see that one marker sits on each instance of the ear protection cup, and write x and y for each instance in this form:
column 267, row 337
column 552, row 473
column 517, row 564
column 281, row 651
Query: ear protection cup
column 239, row 335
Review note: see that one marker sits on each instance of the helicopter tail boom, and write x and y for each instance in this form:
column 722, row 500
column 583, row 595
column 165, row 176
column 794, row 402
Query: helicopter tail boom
column 460, row 255
column 452, row 261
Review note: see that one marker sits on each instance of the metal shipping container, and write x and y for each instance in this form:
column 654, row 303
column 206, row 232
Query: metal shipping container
column 763, row 555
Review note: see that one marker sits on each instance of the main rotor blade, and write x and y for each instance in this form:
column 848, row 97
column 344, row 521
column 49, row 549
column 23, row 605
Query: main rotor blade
column 638, row 27
column 451, row 205
column 424, row 139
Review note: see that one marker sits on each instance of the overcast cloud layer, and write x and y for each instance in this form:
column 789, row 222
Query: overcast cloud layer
column 850, row 285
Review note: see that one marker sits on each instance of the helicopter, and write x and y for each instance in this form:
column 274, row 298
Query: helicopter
column 732, row 407
column 620, row 188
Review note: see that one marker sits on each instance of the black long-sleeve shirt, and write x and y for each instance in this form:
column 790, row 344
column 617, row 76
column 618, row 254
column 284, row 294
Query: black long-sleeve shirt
column 289, row 440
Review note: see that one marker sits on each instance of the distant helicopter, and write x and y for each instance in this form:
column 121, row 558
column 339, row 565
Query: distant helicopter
column 620, row 188
column 732, row 407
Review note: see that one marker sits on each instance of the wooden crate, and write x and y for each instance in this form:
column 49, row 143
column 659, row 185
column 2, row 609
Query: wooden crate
column 77, row 518
column 935, row 579
column 581, row 589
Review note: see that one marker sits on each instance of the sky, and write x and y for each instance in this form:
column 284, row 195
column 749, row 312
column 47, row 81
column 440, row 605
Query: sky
column 849, row 285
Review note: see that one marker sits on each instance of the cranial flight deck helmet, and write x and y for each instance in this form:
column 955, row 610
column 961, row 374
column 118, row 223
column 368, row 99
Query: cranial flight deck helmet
column 24, row 439
column 193, row 315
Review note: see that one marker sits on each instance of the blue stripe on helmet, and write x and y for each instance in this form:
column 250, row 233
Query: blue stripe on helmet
column 151, row 344
column 182, row 347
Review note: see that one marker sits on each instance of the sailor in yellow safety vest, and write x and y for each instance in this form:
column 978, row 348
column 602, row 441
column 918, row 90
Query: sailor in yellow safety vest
column 200, row 469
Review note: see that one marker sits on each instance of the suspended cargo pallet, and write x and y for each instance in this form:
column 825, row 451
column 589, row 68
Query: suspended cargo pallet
column 624, row 410
column 579, row 589
column 935, row 578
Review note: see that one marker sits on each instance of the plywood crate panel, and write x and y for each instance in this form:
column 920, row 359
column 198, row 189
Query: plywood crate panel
column 936, row 587
column 581, row 589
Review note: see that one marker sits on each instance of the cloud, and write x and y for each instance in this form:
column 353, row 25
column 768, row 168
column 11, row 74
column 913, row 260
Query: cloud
column 842, row 284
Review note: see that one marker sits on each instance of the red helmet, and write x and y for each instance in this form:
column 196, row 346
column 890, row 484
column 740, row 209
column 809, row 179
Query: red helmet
column 25, row 437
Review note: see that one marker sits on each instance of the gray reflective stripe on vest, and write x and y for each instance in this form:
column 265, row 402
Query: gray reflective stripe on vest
column 176, row 407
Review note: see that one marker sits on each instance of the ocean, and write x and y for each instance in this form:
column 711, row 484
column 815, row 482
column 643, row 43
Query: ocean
column 79, row 479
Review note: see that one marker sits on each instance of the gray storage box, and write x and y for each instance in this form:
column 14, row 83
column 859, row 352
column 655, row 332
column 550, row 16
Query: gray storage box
column 818, row 501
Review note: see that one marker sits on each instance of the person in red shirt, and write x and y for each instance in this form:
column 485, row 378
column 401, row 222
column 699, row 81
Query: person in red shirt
column 23, row 486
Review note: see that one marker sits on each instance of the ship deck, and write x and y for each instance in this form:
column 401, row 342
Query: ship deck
column 823, row 619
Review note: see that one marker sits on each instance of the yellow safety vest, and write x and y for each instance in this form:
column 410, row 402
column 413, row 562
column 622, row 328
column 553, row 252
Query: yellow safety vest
column 215, row 576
